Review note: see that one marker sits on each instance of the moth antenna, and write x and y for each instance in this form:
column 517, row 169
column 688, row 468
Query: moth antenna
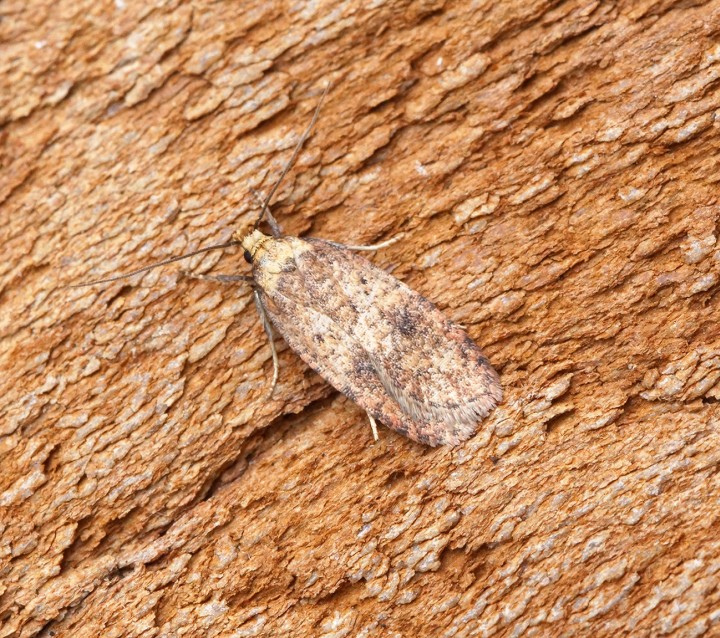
column 265, row 210
column 265, row 207
column 155, row 265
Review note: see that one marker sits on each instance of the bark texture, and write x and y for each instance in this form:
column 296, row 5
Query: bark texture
column 554, row 167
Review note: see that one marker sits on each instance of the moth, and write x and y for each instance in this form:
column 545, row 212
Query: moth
column 381, row 344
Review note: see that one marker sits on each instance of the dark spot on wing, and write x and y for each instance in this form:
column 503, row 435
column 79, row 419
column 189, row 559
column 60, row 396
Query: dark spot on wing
column 404, row 321
column 402, row 428
column 363, row 367
column 471, row 350
column 468, row 344
column 349, row 393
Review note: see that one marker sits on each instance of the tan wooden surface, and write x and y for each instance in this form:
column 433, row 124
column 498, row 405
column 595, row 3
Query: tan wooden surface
column 554, row 167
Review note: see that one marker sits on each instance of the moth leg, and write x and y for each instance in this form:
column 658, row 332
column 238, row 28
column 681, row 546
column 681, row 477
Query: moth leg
column 268, row 331
column 383, row 244
column 373, row 425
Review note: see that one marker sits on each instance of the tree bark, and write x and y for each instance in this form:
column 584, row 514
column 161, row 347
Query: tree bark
column 553, row 168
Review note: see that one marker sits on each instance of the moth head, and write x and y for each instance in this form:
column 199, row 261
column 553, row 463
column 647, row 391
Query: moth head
column 251, row 243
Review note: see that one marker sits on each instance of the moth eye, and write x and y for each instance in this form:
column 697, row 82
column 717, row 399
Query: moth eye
column 248, row 256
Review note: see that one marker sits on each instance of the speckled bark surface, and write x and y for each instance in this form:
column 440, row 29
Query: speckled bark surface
column 555, row 169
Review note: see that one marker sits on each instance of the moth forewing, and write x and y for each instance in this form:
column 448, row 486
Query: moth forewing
column 374, row 339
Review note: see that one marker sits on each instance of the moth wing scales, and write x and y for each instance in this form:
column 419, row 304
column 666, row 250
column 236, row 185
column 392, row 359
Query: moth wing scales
column 338, row 359
column 385, row 346
column 430, row 365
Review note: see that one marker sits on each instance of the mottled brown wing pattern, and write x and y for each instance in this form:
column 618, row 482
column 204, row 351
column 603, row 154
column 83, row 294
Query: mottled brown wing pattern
column 342, row 362
column 380, row 343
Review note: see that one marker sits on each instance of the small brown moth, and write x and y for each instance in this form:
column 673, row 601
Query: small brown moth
column 371, row 337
